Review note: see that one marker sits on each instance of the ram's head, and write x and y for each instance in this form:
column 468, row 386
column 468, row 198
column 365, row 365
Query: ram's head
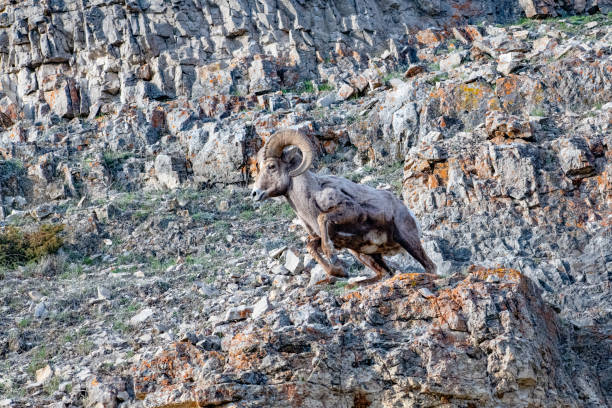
column 278, row 165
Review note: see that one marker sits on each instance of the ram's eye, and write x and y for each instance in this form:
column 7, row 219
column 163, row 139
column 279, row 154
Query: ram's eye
column 271, row 166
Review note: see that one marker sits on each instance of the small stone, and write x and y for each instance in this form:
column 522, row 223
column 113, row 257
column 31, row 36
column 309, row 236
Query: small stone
column 426, row 293
column 123, row 396
column 280, row 270
column 103, row 293
column 345, row 92
column 63, row 387
column 396, row 83
column 453, row 60
column 107, row 242
column 492, row 278
column 308, row 314
column 261, row 307
column 508, row 62
column 44, row 374
column 432, row 137
column 309, row 261
column 294, row 261
column 414, row 70
column 40, row 312
column 139, row 274
column 354, row 281
column 35, row 295
column 280, row 280
column 543, row 43
column 238, row 313
column 591, row 24
column 521, row 34
column 142, row 316
column 360, row 83
column 575, row 157
column 16, row 215
column 170, row 171
column 42, row 211
column 317, row 275
column 205, row 289
column 276, row 253
column 500, row 124
column 327, row 100
column 223, row 205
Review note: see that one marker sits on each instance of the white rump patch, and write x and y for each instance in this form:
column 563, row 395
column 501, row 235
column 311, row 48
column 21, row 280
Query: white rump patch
column 376, row 237
column 416, row 222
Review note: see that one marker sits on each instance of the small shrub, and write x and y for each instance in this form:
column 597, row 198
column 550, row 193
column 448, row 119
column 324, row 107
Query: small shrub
column 141, row 215
column 303, row 87
column 23, row 323
column 248, row 215
column 391, row 75
column 19, row 248
column 125, row 201
column 38, row 360
column 203, row 217
column 306, row 86
column 114, row 160
column 438, row 78
column 84, row 347
column 52, row 385
column 527, row 22
column 11, row 168
column 325, row 87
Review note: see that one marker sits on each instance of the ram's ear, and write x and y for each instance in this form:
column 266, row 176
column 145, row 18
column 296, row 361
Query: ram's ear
column 293, row 157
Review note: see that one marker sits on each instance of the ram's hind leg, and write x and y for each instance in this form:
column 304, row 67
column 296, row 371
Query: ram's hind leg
column 378, row 258
column 313, row 247
column 374, row 262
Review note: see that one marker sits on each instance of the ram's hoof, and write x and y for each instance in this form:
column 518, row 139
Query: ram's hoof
column 362, row 281
column 337, row 272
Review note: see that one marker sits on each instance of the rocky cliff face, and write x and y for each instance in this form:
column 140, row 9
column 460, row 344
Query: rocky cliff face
column 73, row 58
column 135, row 124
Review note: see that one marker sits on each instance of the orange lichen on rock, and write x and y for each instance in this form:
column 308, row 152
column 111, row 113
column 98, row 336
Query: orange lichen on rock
column 242, row 355
column 355, row 295
column 508, row 274
column 412, row 278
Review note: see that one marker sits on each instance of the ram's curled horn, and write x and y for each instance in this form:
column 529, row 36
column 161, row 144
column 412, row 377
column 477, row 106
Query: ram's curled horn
column 283, row 138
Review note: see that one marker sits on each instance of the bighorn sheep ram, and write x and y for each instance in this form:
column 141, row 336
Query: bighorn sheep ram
column 336, row 212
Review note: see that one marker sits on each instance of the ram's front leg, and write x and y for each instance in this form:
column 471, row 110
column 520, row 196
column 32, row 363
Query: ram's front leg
column 326, row 243
column 314, row 246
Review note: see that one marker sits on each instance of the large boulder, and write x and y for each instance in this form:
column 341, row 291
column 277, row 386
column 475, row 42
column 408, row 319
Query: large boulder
column 223, row 156
column 170, row 171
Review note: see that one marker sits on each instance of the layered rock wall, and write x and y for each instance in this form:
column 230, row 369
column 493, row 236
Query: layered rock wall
column 71, row 58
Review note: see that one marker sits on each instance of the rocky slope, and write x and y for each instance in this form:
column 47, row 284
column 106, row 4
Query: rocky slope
column 172, row 289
